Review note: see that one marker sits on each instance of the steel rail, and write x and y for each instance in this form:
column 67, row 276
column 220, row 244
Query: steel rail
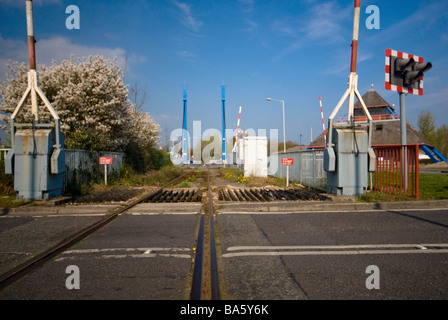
column 196, row 287
column 198, row 279
column 28, row 266
column 213, row 258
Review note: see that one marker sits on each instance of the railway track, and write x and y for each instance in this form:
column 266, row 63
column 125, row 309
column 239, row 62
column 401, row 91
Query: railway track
column 205, row 280
column 205, row 276
column 205, row 283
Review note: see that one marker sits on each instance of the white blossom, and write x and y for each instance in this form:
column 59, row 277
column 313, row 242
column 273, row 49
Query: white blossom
column 90, row 97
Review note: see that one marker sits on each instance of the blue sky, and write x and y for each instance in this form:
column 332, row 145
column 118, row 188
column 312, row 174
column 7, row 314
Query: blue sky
column 289, row 50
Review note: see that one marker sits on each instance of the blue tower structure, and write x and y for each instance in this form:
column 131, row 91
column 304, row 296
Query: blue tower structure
column 184, row 129
column 223, row 98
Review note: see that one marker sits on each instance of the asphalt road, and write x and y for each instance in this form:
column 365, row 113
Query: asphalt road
column 148, row 253
column 329, row 255
column 143, row 254
column 26, row 235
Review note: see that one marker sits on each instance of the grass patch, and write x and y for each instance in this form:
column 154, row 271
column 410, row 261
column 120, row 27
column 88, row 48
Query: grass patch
column 184, row 185
column 235, row 175
column 126, row 178
column 11, row 202
column 192, row 178
column 432, row 186
column 155, row 178
column 378, row 196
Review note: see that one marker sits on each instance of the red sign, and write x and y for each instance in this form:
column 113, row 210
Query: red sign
column 288, row 161
column 105, row 160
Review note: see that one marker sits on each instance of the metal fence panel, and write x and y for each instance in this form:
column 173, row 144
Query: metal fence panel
column 308, row 168
column 81, row 165
column 389, row 176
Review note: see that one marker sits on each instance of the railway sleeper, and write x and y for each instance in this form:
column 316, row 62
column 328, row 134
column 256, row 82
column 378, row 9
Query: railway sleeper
column 153, row 195
column 266, row 195
column 165, row 194
column 256, row 194
column 158, row 196
column 232, row 196
column 240, row 195
column 184, row 196
column 176, row 196
column 269, row 194
column 248, row 196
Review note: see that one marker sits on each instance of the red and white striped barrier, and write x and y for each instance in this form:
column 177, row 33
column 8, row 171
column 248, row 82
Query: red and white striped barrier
column 323, row 123
column 355, row 36
column 237, row 129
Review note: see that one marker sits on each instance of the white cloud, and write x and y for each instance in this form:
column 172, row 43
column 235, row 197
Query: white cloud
column 322, row 23
column 424, row 18
column 444, row 37
column 341, row 64
column 186, row 17
column 247, row 5
column 251, row 25
column 58, row 48
column 325, row 21
column 11, row 50
column 283, row 28
column 187, row 55
column 296, row 45
column 436, row 97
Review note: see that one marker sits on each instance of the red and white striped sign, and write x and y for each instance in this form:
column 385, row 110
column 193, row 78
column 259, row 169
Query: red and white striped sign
column 402, row 55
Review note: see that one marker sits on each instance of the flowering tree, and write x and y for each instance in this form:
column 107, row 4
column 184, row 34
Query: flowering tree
column 91, row 99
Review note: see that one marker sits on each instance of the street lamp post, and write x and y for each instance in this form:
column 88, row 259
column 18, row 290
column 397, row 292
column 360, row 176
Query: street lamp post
column 284, row 136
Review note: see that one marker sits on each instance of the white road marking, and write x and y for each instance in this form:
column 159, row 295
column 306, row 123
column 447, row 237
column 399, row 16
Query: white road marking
column 55, row 215
column 329, row 211
column 157, row 213
column 125, row 249
column 310, row 253
column 360, row 249
column 117, row 253
column 350, row 246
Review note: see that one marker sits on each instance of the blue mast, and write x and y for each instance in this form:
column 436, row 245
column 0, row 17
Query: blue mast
column 223, row 94
column 184, row 129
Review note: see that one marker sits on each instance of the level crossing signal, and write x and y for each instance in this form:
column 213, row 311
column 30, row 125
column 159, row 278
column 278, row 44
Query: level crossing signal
column 404, row 72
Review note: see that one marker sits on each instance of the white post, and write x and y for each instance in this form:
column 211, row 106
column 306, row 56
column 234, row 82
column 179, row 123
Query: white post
column 284, row 137
column 284, row 143
column 105, row 174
